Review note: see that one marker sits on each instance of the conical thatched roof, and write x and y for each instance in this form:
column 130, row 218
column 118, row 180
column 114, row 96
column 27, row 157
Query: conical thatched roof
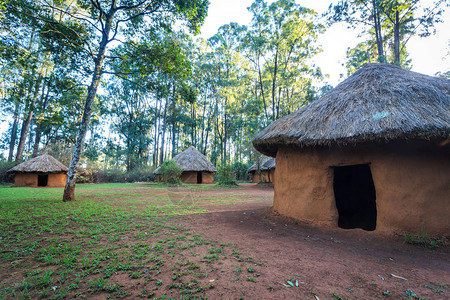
column 380, row 102
column 192, row 160
column 41, row 164
column 266, row 163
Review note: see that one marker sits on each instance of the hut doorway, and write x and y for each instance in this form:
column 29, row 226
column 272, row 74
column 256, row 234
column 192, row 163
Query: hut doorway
column 42, row 180
column 199, row 177
column 354, row 192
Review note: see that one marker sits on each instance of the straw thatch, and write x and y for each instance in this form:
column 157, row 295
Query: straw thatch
column 191, row 160
column 41, row 164
column 266, row 163
column 380, row 102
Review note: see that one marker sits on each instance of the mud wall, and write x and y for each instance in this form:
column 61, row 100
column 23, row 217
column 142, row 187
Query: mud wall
column 57, row 180
column 272, row 175
column 208, row 177
column 266, row 176
column 412, row 185
column 31, row 180
column 25, row 179
column 191, row 177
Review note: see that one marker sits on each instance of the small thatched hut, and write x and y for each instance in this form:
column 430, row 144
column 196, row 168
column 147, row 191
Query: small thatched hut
column 195, row 167
column 44, row 170
column 267, row 169
column 373, row 153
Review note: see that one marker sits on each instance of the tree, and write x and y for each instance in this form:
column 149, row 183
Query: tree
column 401, row 17
column 287, row 32
column 142, row 102
column 112, row 20
column 31, row 57
column 388, row 24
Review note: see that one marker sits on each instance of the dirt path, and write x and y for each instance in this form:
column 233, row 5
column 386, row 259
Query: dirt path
column 327, row 262
column 238, row 248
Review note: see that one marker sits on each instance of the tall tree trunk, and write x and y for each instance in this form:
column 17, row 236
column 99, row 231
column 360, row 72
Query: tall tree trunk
column 37, row 138
column 163, row 137
column 69, row 190
column 397, row 39
column 274, row 83
column 174, row 150
column 156, row 139
column 12, row 142
column 225, row 133
column 206, row 141
column 194, row 128
column 262, row 90
column 26, row 123
column 378, row 34
column 278, row 102
column 202, row 133
column 130, row 148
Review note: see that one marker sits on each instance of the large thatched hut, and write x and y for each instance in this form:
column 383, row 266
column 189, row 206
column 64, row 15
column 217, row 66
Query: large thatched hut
column 195, row 167
column 373, row 153
column 44, row 170
column 267, row 170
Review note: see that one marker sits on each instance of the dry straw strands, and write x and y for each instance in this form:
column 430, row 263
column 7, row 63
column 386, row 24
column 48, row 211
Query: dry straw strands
column 192, row 160
column 41, row 164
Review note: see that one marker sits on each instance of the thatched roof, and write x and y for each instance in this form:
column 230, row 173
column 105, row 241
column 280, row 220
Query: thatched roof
column 41, row 164
column 192, row 160
column 266, row 163
column 380, row 102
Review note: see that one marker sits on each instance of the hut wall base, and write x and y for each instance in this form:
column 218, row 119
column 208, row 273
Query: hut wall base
column 191, row 177
column 412, row 186
column 25, row 179
column 208, row 177
column 57, row 180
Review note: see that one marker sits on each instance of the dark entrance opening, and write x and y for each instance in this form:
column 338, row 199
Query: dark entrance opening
column 42, row 180
column 354, row 192
column 199, row 177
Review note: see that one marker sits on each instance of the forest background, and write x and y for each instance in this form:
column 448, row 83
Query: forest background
column 162, row 88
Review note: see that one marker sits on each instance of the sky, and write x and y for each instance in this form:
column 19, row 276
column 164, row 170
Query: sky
column 429, row 55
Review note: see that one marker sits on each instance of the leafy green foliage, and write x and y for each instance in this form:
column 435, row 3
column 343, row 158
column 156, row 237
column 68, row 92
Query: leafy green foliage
column 225, row 175
column 171, row 172
column 94, row 175
column 4, row 167
column 240, row 170
column 387, row 25
column 423, row 239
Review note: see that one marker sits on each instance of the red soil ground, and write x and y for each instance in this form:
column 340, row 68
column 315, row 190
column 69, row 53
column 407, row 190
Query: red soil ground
column 328, row 262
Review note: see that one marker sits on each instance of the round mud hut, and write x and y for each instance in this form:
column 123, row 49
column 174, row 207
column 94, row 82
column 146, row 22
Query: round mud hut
column 195, row 167
column 267, row 170
column 373, row 153
column 41, row 171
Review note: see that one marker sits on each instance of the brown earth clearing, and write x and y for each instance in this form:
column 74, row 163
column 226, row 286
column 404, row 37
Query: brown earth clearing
column 197, row 242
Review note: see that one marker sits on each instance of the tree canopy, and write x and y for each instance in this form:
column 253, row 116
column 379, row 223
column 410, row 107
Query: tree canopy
column 126, row 84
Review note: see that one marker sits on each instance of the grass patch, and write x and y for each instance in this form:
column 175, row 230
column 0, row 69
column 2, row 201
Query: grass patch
column 423, row 239
column 112, row 231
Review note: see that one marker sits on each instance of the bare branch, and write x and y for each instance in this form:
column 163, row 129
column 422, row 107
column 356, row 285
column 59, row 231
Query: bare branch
column 97, row 5
column 53, row 22
column 132, row 7
column 81, row 17
column 418, row 25
column 142, row 13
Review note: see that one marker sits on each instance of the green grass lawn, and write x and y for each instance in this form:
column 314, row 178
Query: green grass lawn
column 113, row 239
